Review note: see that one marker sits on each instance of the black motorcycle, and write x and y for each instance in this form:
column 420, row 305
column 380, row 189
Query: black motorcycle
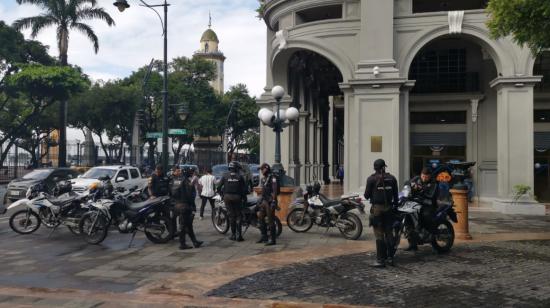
column 409, row 223
column 151, row 217
column 317, row 209
column 220, row 217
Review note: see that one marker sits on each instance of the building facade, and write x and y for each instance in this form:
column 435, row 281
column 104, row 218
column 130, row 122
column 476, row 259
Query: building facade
column 410, row 81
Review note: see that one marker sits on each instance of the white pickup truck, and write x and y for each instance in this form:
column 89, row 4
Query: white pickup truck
column 121, row 176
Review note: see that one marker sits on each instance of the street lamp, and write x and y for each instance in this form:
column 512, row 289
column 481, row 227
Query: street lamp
column 278, row 121
column 122, row 5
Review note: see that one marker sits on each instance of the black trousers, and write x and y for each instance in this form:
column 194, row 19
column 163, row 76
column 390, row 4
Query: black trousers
column 186, row 219
column 203, row 204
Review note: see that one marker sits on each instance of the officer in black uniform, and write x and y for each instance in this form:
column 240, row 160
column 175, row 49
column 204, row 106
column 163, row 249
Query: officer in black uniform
column 268, row 205
column 233, row 187
column 159, row 183
column 184, row 196
column 381, row 190
column 425, row 189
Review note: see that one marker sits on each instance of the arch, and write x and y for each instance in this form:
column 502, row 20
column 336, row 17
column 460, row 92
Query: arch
column 478, row 35
column 343, row 63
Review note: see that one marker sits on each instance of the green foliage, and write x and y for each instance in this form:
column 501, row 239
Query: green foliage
column 521, row 190
column 527, row 21
column 64, row 15
column 261, row 9
column 107, row 109
column 242, row 121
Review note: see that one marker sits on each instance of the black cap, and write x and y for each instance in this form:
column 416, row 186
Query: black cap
column 379, row 164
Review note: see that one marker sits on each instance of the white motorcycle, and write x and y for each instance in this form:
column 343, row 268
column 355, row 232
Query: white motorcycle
column 43, row 208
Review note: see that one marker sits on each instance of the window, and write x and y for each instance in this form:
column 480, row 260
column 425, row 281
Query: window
column 439, row 117
column 542, row 68
column 123, row 174
column 425, row 6
column 134, row 173
column 319, row 13
column 443, row 71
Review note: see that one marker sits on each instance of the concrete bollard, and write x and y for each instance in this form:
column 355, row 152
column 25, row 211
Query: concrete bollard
column 460, row 198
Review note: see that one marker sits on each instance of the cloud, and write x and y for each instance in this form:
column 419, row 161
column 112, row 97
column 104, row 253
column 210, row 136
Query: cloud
column 136, row 38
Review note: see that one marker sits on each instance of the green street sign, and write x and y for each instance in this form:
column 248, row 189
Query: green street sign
column 154, row 135
column 177, row 131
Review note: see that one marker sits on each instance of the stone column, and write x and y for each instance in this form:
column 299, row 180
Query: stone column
column 302, row 123
column 311, row 148
column 515, row 134
column 330, row 142
column 320, row 151
column 405, row 134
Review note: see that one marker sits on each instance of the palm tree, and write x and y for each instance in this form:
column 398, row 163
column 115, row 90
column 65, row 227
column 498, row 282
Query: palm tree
column 65, row 15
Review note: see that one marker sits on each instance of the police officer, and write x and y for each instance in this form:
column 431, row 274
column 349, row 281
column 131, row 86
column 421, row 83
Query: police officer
column 426, row 190
column 233, row 187
column 159, row 183
column 184, row 193
column 268, row 205
column 381, row 190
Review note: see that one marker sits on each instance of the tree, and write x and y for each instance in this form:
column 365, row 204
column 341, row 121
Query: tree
column 29, row 92
column 242, row 120
column 65, row 15
column 527, row 21
column 107, row 109
column 37, row 133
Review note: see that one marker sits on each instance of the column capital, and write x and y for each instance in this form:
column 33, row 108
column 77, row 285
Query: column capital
column 515, row 81
column 377, row 84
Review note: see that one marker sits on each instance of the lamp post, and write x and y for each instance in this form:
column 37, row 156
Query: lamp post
column 77, row 152
column 278, row 121
column 122, row 5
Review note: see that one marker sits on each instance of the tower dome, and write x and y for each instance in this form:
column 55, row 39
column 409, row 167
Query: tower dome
column 209, row 51
column 209, row 36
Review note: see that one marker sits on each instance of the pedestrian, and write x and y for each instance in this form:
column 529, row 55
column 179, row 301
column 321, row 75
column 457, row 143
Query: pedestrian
column 340, row 174
column 159, row 183
column 233, row 187
column 208, row 190
column 381, row 190
column 184, row 197
column 268, row 205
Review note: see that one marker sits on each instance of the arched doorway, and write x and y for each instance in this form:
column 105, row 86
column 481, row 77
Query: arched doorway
column 453, row 108
column 316, row 139
column 542, row 128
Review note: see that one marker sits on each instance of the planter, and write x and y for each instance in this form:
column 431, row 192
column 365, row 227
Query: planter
column 284, row 198
column 521, row 207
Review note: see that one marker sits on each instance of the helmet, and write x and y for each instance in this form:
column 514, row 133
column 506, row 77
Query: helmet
column 187, row 171
column 265, row 166
column 234, row 166
column 379, row 164
column 317, row 187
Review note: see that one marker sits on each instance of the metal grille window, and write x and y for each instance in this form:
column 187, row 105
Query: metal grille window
column 424, row 6
column 542, row 68
column 542, row 116
column 439, row 117
column 443, row 71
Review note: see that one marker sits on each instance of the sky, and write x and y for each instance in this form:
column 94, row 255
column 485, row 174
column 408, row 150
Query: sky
column 137, row 38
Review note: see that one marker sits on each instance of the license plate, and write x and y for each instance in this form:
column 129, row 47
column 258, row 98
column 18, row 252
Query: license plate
column 14, row 193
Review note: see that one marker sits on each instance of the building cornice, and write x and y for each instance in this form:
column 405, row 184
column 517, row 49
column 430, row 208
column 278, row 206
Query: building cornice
column 516, row 81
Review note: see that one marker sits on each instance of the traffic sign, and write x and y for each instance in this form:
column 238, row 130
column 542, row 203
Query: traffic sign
column 177, row 131
column 153, row 135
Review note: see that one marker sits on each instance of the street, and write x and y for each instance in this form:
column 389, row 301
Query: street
column 315, row 267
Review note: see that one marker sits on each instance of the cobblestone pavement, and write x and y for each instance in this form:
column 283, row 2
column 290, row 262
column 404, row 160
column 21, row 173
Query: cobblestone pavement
column 500, row 274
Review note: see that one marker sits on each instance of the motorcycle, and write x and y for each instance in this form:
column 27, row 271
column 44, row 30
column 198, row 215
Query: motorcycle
column 409, row 224
column 220, row 217
column 63, row 208
column 317, row 209
column 151, row 217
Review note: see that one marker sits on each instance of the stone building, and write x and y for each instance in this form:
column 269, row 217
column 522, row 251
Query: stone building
column 209, row 50
column 410, row 81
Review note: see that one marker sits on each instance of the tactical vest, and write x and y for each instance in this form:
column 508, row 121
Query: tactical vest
column 232, row 184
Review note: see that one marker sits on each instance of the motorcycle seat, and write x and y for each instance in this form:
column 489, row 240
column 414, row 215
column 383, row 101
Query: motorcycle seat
column 329, row 202
column 61, row 200
column 136, row 206
column 251, row 201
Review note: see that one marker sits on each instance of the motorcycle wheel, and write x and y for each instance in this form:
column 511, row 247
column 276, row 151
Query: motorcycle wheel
column 220, row 220
column 444, row 237
column 295, row 222
column 353, row 226
column 93, row 233
column 47, row 218
column 27, row 219
column 162, row 232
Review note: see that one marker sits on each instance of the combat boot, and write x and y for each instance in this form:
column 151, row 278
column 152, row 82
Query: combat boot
column 239, row 233
column 273, row 235
column 381, row 254
column 233, row 237
column 263, row 230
